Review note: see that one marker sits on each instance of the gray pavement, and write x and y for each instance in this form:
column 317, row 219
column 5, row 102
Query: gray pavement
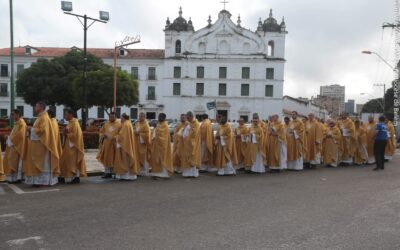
column 344, row 208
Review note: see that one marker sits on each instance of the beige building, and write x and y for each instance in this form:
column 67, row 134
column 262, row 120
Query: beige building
column 335, row 91
column 331, row 104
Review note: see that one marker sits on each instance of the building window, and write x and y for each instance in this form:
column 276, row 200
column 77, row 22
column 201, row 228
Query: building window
column 245, row 90
column 3, row 113
column 177, row 72
column 152, row 74
column 270, row 73
column 135, row 73
column 178, row 47
column 4, row 70
column 20, row 69
column 245, row 73
column 100, row 112
column 222, row 72
column 3, row 89
column 176, row 89
column 21, row 110
column 118, row 112
column 151, row 93
column 28, row 50
column 269, row 90
column 222, row 89
column 200, row 72
column 271, row 48
column 134, row 113
column 199, row 89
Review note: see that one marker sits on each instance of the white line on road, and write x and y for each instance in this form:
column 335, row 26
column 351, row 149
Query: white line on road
column 20, row 242
column 7, row 218
column 17, row 190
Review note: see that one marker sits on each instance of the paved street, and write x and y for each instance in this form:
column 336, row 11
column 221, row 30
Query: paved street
column 345, row 208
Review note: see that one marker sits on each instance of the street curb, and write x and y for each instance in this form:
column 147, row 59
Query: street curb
column 93, row 174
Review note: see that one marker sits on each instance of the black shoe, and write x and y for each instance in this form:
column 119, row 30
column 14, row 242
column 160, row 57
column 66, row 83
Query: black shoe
column 61, row 180
column 203, row 171
column 107, row 176
column 376, row 169
column 76, row 180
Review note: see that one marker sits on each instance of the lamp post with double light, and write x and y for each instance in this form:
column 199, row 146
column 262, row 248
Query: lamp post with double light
column 104, row 18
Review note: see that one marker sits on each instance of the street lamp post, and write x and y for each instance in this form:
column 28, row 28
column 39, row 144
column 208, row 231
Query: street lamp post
column 384, row 94
column 12, row 86
column 104, row 17
column 367, row 52
column 118, row 45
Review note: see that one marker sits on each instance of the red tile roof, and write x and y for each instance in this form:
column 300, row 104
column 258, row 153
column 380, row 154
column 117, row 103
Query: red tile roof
column 102, row 53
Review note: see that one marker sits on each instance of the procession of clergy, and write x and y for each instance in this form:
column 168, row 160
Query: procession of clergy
column 42, row 156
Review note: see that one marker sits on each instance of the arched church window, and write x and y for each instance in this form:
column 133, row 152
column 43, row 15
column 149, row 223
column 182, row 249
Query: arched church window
column 178, row 46
column 202, row 48
column 271, row 48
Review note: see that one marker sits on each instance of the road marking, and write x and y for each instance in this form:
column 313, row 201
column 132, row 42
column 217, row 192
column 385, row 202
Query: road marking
column 7, row 218
column 20, row 242
column 2, row 192
column 17, row 190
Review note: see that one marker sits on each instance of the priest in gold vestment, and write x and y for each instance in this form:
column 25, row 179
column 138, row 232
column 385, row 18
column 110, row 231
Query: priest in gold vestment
column 313, row 140
column 178, row 144
column 277, row 154
column 331, row 145
column 107, row 151
column 42, row 160
column 391, row 143
column 161, row 153
column 72, row 162
column 370, row 129
column 191, row 155
column 241, row 135
column 15, row 149
column 347, row 128
column 126, row 163
column 225, row 149
column 360, row 152
column 255, row 156
column 142, row 144
column 207, row 145
column 295, row 143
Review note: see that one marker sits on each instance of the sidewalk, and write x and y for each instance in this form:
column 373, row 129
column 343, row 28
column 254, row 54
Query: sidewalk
column 93, row 167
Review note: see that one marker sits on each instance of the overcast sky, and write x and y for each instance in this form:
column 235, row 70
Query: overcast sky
column 324, row 43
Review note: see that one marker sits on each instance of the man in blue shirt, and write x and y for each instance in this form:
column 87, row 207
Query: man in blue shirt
column 381, row 139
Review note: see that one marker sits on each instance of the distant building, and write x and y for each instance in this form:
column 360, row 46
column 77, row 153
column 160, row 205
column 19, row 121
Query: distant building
column 349, row 106
column 359, row 108
column 303, row 107
column 334, row 91
column 331, row 104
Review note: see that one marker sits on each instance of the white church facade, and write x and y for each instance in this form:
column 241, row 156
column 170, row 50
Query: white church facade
column 242, row 71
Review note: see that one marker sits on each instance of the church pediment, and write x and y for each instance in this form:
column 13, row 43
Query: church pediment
column 224, row 37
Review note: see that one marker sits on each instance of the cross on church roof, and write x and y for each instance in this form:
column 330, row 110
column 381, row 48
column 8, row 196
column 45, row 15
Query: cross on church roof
column 224, row 2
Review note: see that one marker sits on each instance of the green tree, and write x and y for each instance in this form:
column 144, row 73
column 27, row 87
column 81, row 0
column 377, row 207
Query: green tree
column 58, row 82
column 375, row 105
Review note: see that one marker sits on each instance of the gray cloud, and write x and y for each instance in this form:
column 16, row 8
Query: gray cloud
column 323, row 45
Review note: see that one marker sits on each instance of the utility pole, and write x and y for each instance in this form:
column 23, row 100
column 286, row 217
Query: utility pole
column 12, row 86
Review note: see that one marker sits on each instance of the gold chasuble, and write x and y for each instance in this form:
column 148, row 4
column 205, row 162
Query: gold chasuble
column 207, row 139
column 370, row 129
column 391, row 143
column 125, row 158
column 191, row 145
column 43, row 142
column 255, row 146
column 277, row 136
column 16, row 148
column 294, row 139
column 348, row 139
column 241, row 134
column 360, row 152
column 56, row 129
column 225, row 147
column 108, row 132
column 142, row 142
column 331, row 146
column 72, row 160
column 178, row 145
column 161, row 153
column 313, row 139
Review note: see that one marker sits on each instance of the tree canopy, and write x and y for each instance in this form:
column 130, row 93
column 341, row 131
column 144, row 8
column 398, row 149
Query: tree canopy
column 376, row 105
column 59, row 82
